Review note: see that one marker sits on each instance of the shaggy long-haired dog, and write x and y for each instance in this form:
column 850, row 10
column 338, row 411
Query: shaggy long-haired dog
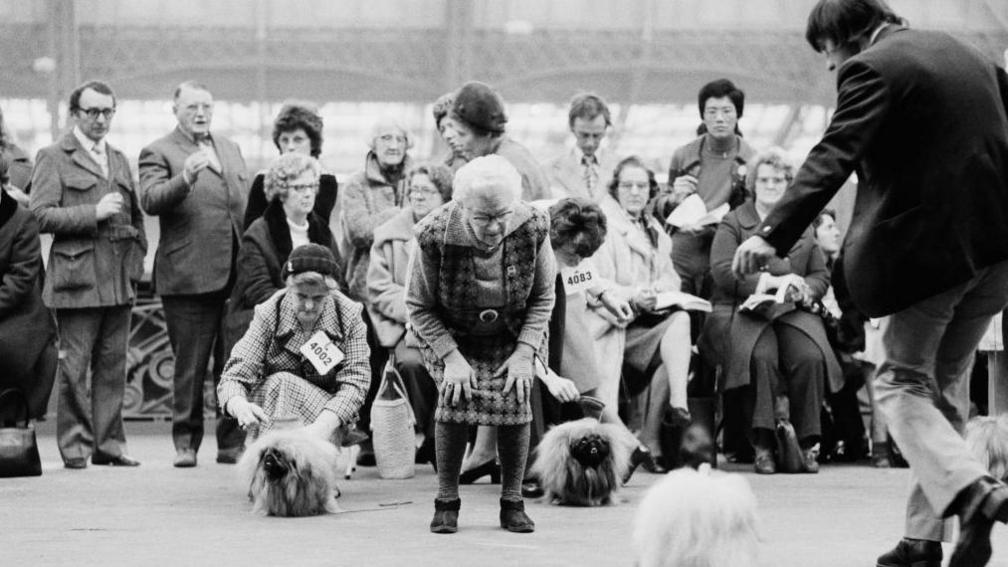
column 289, row 473
column 581, row 463
column 987, row 438
column 697, row 519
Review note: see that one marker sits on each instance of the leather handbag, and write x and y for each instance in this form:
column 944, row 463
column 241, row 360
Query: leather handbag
column 19, row 454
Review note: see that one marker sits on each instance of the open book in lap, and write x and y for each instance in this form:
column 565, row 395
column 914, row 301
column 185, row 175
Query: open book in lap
column 693, row 212
column 681, row 300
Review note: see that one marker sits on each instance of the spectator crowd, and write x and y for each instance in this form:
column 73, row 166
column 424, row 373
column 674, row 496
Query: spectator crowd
column 501, row 288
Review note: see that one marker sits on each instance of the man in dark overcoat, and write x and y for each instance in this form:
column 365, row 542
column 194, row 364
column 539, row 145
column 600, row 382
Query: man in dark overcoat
column 923, row 120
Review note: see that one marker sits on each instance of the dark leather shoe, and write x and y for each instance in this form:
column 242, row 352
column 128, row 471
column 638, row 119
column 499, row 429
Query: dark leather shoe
column 120, row 461
column 531, row 488
column 78, row 464
column 912, row 553
column 513, row 517
column 445, row 516
column 764, row 462
column 185, row 459
column 488, row 468
column 979, row 505
column 225, row 456
column 642, row 457
column 810, row 459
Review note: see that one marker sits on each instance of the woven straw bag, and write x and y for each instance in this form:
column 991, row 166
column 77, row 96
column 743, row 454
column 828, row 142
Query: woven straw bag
column 392, row 423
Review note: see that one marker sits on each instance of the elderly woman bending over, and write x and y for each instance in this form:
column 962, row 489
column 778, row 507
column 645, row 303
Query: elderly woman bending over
column 480, row 295
column 305, row 355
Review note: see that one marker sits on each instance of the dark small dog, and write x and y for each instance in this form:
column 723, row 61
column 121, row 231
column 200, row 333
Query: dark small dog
column 289, row 473
column 987, row 438
column 580, row 463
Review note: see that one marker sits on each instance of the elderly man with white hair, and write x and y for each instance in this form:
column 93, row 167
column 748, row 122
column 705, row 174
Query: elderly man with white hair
column 480, row 294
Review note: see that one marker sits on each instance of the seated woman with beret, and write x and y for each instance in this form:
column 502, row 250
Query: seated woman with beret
column 305, row 355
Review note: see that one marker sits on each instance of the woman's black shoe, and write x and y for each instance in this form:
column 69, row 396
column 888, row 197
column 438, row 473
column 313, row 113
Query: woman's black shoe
column 488, row 468
column 445, row 516
column 531, row 488
column 642, row 457
column 513, row 517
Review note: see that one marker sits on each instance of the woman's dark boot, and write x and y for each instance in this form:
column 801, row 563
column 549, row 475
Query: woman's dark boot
column 445, row 516
column 513, row 517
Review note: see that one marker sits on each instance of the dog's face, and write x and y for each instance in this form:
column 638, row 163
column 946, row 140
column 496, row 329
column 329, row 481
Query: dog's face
column 275, row 464
column 590, row 450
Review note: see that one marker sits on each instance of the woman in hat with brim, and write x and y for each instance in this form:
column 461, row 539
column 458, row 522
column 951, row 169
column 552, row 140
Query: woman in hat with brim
column 305, row 355
column 475, row 126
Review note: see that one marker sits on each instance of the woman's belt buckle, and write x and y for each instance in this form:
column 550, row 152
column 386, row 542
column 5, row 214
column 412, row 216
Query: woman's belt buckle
column 488, row 315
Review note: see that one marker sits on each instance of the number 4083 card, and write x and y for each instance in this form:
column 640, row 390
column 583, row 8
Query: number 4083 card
column 322, row 353
column 578, row 278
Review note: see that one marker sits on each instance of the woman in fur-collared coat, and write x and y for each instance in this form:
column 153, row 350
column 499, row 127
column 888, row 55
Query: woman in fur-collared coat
column 288, row 221
column 27, row 328
column 480, row 296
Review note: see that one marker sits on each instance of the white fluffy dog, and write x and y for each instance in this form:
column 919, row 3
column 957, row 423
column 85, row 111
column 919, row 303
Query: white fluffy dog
column 290, row 473
column 987, row 438
column 581, row 463
column 697, row 519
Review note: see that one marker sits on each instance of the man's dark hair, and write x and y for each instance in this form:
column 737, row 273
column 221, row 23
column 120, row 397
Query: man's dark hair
column 579, row 221
column 96, row 86
column 588, row 106
column 718, row 89
column 844, row 21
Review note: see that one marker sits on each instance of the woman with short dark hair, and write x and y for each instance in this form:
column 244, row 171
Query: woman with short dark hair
column 297, row 128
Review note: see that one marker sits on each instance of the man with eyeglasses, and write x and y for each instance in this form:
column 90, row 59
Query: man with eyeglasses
column 83, row 194
column 587, row 168
column 195, row 182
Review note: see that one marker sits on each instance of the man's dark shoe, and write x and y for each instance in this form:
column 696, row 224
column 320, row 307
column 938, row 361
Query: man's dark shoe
column 77, row 464
column 228, row 456
column 979, row 505
column 185, row 459
column 120, row 461
column 912, row 553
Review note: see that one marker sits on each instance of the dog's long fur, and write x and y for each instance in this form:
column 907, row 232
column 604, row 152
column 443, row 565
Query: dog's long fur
column 987, row 438
column 289, row 473
column 565, row 479
column 697, row 519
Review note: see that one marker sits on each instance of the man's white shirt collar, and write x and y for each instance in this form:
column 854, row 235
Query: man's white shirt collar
column 87, row 143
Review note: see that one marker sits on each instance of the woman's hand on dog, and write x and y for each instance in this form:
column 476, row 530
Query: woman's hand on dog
column 458, row 379
column 245, row 412
column 518, row 368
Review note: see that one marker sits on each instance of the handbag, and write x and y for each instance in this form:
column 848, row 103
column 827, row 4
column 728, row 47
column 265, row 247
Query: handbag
column 392, row 422
column 19, row 454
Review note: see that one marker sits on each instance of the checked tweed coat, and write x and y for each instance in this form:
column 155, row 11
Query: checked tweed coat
column 453, row 281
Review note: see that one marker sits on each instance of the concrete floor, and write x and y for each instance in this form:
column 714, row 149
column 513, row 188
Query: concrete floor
column 158, row 515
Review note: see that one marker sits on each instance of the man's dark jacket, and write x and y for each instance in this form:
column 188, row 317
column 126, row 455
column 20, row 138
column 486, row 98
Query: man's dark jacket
column 923, row 120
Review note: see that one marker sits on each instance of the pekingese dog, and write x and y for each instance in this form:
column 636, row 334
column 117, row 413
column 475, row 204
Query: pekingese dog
column 581, row 463
column 694, row 518
column 987, row 438
column 290, row 473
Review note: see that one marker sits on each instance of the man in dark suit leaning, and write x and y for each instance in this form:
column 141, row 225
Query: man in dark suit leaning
column 923, row 120
column 196, row 184
column 84, row 195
